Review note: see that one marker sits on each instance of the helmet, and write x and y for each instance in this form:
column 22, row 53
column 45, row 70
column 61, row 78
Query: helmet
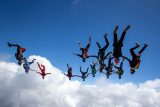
column 116, row 60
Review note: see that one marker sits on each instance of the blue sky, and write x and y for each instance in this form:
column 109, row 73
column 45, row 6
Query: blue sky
column 51, row 28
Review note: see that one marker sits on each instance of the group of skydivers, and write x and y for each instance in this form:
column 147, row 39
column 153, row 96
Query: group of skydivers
column 107, row 69
column 26, row 65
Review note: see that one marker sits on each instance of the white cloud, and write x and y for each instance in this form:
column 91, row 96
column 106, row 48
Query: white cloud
column 18, row 89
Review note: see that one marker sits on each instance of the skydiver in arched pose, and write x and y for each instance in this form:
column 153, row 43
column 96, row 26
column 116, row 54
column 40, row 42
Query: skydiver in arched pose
column 84, row 74
column 120, row 69
column 42, row 68
column 19, row 53
column 27, row 64
column 135, row 62
column 93, row 68
column 84, row 51
column 118, row 44
column 69, row 73
column 109, row 67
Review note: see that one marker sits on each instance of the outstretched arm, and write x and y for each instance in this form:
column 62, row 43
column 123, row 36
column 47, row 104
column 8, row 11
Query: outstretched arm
column 47, row 73
column 68, row 66
column 117, row 67
column 80, row 45
column 81, row 69
column 126, row 59
column 39, row 73
column 121, row 64
column 78, row 55
column 31, row 62
column 107, row 55
column 94, row 56
column 87, row 69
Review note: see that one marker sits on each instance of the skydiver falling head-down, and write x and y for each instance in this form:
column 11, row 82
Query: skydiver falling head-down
column 84, row 51
column 19, row 53
column 93, row 68
column 69, row 74
column 42, row 68
column 101, row 52
column 135, row 62
column 118, row 44
column 109, row 68
column 27, row 64
column 84, row 74
column 120, row 69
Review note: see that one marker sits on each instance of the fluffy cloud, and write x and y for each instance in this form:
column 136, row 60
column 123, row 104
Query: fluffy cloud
column 18, row 89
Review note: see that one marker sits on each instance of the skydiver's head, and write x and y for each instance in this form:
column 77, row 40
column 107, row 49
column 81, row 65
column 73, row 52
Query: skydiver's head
column 42, row 77
column 23, row 50
column 132, row 70
column 83, row 59
column 116, row 60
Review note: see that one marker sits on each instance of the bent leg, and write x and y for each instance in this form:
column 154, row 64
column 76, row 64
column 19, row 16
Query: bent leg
column 144, row 47
column 132, row 51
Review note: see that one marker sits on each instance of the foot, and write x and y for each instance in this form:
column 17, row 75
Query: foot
column 137, row 45
column 115, row 30
column 145, row 45
column 89, row 39
column 9, row 44
column 127, row 28
column 105, row 36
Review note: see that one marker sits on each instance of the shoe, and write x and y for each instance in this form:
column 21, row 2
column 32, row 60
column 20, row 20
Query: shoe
column 145, row 45
column 115, row 30
column 9, row 44
column 127, row 28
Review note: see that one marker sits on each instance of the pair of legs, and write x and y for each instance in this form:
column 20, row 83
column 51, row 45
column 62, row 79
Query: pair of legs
column 15, row 45
column 107, row 44
column 120, row 41
column 88, row 45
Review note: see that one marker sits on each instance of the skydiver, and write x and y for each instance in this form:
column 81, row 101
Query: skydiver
column 84, row 51
column 42, row 68
column 101, row 52
column 69, row 74
column 93, row 68
column 118, row 44
column 27, row 64
column 109, row 68
column 120, row 69
column 135, row 62
column 19, row 53
column 84, row 74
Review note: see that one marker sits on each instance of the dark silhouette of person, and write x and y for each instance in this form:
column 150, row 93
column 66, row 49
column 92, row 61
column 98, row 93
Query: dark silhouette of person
column 120, row 69
column 118, row 44
column 69, row 73
column 135, row 61
column 42, row 68
column 101, row 52
column 84, row 55
column 109, row 67
column 84, row 74
column 19, row 53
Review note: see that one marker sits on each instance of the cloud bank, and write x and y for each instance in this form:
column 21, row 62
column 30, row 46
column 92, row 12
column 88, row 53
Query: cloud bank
column 18, row 89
